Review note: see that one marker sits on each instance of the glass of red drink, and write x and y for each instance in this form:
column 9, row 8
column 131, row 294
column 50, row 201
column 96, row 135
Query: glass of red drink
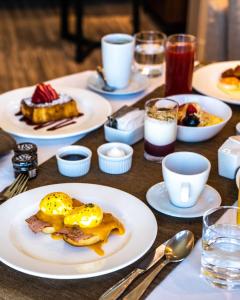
column 180, row 53
column 160, row 128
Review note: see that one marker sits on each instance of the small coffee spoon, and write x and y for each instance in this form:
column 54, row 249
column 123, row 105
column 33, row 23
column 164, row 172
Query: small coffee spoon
column 106, row 87
column 177, row 248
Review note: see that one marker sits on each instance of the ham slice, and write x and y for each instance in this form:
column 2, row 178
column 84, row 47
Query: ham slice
column 73, row 233
column 36, row 225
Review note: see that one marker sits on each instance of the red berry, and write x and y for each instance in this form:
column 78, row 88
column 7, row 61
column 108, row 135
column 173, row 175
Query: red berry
column 191, row 109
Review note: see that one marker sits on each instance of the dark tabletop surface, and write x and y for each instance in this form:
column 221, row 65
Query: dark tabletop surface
column 143, row 174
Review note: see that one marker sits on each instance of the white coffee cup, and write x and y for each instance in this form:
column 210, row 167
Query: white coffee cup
column 185, row 175
column 117, row 57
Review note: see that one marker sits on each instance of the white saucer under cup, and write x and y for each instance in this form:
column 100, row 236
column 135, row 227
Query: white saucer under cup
column 158, row 198
column 137, row 84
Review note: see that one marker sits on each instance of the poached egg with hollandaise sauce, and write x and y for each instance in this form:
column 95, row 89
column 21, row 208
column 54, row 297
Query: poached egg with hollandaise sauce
column 76, row 223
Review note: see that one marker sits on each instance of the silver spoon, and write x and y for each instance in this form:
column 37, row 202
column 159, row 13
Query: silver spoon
column 177, row 248
column 105, row 87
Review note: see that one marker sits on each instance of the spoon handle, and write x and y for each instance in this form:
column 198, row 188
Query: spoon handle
column 139, row 290
column 116, row 291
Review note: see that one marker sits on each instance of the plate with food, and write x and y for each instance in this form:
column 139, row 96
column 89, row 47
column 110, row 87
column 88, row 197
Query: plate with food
column 200, row 117
column 220, row 80
column 74, row 230
column 47, row 112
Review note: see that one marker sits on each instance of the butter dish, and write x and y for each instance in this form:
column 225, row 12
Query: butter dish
column 115, row 158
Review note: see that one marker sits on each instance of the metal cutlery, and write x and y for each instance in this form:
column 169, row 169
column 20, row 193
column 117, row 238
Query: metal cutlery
column 18, row 186
column 177, row 248
column 151, row 259
column 106, row 87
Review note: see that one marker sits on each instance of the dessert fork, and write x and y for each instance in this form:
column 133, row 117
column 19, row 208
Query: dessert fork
column 18, row 186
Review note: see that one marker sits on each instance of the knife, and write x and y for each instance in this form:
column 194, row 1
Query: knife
column 150, row 260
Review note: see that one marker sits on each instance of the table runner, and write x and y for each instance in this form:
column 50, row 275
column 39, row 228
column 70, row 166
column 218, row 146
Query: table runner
column 142, row 175
column 47, row 149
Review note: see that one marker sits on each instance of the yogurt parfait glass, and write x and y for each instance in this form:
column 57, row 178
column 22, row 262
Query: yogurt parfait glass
column 160, row 128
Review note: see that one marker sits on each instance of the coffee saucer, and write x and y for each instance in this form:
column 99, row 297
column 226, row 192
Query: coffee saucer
column 157, row 196
column 137, row 84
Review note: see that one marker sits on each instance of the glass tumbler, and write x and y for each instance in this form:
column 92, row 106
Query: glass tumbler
column 149, row 52
column 160, row 128
column 220, row 262
column 180, row 54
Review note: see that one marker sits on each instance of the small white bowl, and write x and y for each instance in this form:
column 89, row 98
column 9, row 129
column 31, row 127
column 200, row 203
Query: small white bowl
column 127, row 137
column 115, row 165
column 209, row 104
column 74, row 168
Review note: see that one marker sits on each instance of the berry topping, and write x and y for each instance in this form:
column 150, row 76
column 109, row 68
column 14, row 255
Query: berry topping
column 44, row 93
column 191, row 109
column 191, row 121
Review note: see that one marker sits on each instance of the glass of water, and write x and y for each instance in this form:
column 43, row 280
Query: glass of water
column 149, row 52
column 220, row 262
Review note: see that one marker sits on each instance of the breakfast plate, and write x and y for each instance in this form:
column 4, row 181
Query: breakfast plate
column 40, row 255
column 137, row 84
column 157, row 196
column 95, row 111
column 205, row 81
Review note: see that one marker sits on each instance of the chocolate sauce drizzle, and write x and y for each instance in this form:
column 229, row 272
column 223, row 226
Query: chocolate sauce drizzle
column 54, row 124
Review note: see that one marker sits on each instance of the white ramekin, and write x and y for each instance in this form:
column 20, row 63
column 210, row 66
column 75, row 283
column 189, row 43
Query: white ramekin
column 74, row 168
column 115, row 165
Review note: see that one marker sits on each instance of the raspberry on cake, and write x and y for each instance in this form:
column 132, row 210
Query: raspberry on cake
column 47, row 105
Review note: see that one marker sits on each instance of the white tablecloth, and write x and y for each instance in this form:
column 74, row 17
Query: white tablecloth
column 185, row 281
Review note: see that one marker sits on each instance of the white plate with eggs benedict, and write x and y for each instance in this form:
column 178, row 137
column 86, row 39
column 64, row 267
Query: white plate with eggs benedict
column 220, row 80
column 36, row 243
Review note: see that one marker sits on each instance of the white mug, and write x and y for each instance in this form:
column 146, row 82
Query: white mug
column 117, row 57
column 185, row 175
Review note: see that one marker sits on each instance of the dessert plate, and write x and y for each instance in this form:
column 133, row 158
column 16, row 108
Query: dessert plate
column 157, row 196
column 95, row 108
column 40, row 255
column 137, row 84
column 205, row 81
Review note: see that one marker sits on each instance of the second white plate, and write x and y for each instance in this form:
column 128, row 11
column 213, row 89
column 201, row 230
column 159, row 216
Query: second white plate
column 205, row 81
column 39, row 255
column 95, row 108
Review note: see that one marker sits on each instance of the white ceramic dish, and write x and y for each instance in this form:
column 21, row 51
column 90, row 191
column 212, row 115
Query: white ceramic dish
column 74, row 168
column 209, row 104
column 39, row 255
column 205, row 81
column 127, row 137
column 115, row 165
column 95, row 109
column 157, row 196
column 137, row 84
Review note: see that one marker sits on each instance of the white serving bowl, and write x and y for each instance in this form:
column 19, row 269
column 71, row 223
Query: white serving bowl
column 209, row 104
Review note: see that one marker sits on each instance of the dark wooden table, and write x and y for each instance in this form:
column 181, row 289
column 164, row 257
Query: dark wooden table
column 144, row 174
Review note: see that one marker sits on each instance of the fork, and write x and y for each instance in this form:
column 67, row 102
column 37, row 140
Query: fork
column 18, row 186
